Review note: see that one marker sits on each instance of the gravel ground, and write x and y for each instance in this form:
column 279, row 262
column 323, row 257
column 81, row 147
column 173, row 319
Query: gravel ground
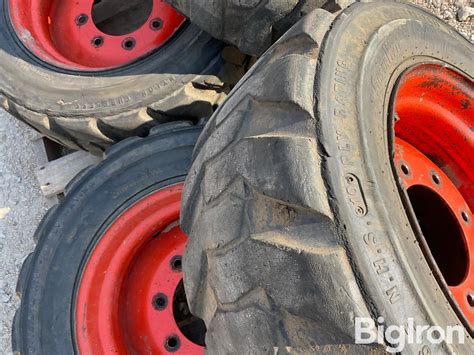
column 458, row 13
column 22, row 204
column 21, row 208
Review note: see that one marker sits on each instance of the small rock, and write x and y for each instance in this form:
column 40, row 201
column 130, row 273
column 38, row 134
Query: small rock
column 437, row 3
column 4, row 211
column 465, row 12
column 5, row 298
column 447, row 15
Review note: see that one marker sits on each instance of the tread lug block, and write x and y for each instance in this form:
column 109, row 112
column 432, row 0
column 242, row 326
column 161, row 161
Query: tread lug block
column 129, row 124
column 252, row 26
column 85, row 127
column 23, row 277
column 42, row 124
column 169, row 127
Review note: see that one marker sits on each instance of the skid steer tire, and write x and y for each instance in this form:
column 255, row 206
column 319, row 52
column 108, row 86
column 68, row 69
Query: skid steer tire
column 52, row 276
column 252, row 26
column 282, row 252
column 92, row 110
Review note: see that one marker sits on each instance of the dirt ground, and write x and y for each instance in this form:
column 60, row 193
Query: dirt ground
column 22, row 204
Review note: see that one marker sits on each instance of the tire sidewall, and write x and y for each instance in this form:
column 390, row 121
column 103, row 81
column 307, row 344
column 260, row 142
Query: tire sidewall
column 368, row 49
column 44, row 88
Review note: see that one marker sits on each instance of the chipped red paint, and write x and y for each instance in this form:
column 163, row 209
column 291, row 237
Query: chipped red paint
column 435, row 107
column 50, row 30
column 434, row 132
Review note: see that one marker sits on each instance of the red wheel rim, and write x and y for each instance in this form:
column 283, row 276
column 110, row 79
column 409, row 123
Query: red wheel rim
column 64, row 34
column 129, row 284
column 434, row 159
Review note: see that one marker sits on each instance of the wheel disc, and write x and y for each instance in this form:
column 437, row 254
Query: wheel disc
column 131, row 298
column 92, row 34
column 434, row 159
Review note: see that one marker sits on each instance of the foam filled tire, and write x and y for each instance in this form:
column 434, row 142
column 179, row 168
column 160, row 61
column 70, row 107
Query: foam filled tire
column 252, row 26
column 64, row 308
column 282, row 251
column 91, row 110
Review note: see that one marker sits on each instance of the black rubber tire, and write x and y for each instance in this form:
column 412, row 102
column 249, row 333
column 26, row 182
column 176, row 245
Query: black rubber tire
column 92, row 111
column 281, row 251
column 49, row 277
column 253, row 25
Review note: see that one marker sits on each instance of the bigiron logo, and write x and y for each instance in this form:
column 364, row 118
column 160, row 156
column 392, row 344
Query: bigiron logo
column 368, row 332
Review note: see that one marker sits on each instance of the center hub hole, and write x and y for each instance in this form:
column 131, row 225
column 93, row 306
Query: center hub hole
column 118, row 17
column 442, row 233
column 192, row 327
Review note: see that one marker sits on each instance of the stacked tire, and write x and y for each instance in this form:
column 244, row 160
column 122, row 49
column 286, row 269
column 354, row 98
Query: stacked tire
column 320, row 193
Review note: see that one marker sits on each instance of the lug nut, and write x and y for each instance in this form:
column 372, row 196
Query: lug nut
column 470, row 299
column 98, row 41
column 176, row 263
column 465, row 217
column 172, row 343
column 129, row 43
column 81, row 19
column 160, row 301
column 156, row 24
column 436, row 179
column 405, row 169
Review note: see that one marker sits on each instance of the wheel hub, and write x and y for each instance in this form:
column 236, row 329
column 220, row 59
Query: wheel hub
column 131, row 297
column 93, row 34
column 444, row 219
column 434, row 159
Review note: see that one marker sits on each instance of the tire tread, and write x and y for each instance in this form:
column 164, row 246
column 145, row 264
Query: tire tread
column 260, row 267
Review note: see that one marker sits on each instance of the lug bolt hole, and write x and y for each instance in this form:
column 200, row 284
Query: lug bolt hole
column 98, row 41
column 156, row 24
column 172, row 343
column 176, row 263
column 82, row 19
column 470, row 299
column 128, row 44
column 160, row 301
column 405, row 169
column 436, row 179
column 466, row 219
